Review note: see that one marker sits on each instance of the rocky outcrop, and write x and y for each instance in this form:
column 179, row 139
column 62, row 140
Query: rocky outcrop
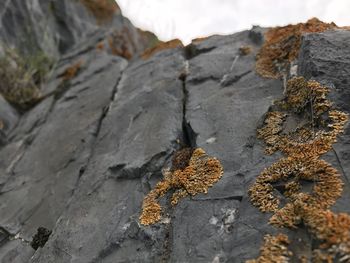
column 81, row 161
column 55, row 27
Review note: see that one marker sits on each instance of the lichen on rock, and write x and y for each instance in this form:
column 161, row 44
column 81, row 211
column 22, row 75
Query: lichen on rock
column 175, row 43
column 192, row 172
column 282, row 46
column 102, row 10
column 275, row 249
column 303, row 148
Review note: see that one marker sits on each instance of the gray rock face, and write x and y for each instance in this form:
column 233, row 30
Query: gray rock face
column 81, row 161
column 325, row 57
column 56, row 26
column 8, row 118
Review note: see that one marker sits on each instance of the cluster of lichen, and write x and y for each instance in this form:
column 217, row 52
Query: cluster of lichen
column 192, row 172
column 161, row 46
column 122, row 44
column 274, row 250
column 245, row 50
column 102, row 10
column 332, row 229
column 282, row 46
column 303, row 148
column 71, row 71
column 21, row 77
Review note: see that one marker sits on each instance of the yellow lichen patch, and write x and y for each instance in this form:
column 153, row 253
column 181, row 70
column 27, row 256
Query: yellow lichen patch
column 122, row 44
column 100, row 46
column 192, row 172
column 303, row 148
column 161, row 46
column 300, row 92
column 71, row 71
column 331, row 229
column 102, row 10
column 282, row 46
column 199, row 40
column 245, row 50
column 274, row 250
column 270, row 131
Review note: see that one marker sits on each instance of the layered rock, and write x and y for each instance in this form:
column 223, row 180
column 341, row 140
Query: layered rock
column 81, row 161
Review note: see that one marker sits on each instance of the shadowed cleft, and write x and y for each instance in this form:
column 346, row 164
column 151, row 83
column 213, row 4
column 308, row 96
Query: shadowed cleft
column 40, row 238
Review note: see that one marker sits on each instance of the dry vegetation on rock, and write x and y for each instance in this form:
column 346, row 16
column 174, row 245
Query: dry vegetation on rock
column 192, row 172
column 161, row 46
column 102, row 10
column 303, row 148
column 274, row 250
column 21, row 77
column 282, row 46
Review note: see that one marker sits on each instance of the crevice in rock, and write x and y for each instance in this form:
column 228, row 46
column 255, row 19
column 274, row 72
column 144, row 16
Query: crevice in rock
column 103, row 115
column 191, row 51
column 122, row 172
column 197, row 81
column 4, row 236
column 188, row 134
column 40, row 238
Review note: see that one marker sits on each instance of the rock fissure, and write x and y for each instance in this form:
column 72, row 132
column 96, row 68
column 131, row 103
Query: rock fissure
column 189, row 136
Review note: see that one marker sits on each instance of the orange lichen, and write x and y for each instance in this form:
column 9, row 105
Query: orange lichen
column 71, row 71
column 161, row 46
column 282, row 46
column 199, row 40
column 100, row 46
column 147, row 38
column 121, row 43
column 245, row 50
column 192, row 172
column 102, row 10
column 274, row 250
column 303, row 148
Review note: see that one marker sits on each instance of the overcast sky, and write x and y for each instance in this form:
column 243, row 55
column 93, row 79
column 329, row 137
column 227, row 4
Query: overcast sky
column 188, row 19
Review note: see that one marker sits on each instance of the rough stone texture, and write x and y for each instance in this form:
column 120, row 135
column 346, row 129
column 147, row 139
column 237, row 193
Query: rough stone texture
column 80, row 162
column 15, row 251
column 55, row 26
column 8, row 118
column 138, row 134
column 325, row 57
column 226, row 102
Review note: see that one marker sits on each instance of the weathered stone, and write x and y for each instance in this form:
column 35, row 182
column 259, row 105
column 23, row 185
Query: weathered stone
column 137, row 136
column 81, row 161
column 8, row 118
column 325, row 57
column 47, row 171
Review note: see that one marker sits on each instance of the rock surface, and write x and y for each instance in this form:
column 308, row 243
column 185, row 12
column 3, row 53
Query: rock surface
column 81, row 161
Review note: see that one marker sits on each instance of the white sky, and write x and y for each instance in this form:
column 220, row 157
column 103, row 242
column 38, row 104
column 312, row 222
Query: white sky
column 188, row 19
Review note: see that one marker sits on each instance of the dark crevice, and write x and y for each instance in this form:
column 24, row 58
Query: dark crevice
column 188, row 134
column 191, row 51
column 4, row 236
column 40, row 238
column 96, row 133
column 197, row 81
column 122, row 172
